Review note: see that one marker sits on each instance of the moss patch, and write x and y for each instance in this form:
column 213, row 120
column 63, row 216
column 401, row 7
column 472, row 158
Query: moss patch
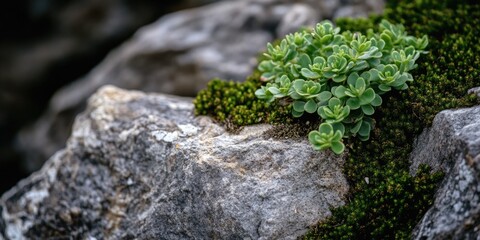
column 235, row 104
column 390, row 202
column 389, row 206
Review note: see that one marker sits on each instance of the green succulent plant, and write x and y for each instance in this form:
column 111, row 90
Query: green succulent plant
column 334, row 112
column 340, row 76
column 305, row 89
column 389, row 76
column 327, row 137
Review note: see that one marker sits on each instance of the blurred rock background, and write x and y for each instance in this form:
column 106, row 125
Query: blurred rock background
column 46, row 44
column 53, row 56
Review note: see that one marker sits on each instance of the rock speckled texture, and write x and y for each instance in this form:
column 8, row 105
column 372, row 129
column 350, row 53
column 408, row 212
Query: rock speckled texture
column 452, row 145
column 143, row 166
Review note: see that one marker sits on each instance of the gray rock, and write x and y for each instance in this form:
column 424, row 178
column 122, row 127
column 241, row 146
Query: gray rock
column 179, row 54
column 46, row 44
column 360, row 9
column 452, row 145
column 475, row 90
column 142, row 166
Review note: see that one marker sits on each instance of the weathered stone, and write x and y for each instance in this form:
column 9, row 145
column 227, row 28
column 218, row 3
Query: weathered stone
column 142, row 166
column 452, row 145
column 475, row 90
column 179, row 54
column 46, row 44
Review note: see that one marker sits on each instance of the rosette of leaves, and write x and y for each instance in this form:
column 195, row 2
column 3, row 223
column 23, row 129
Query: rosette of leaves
column 405, row 59
column 280, row 62
column 337, row 68
column 315, row 70
column 358, row 94
column 392, row 35
column 339, row 76
column 389, row 76
column 327, row 137
column 271, row 91
column 307, row 96
column 365, row 52
column 323, row 38
column 334, row 112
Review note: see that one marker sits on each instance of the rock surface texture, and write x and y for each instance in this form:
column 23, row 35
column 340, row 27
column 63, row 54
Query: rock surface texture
column 143, row 166
column 452, row 145
column 180, row 53
column 46, row 44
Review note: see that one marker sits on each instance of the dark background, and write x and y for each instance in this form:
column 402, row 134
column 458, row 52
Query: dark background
column 46, row 44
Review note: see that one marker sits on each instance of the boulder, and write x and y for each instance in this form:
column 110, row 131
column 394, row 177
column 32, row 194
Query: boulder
column 142, row 166
column 46, row 44
column 179, row 54
column 452, row 145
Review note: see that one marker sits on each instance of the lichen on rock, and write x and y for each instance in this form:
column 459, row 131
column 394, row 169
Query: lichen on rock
column 452, row 145
column 144, row 166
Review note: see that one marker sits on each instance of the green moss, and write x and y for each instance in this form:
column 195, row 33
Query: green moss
column 235, row 103
column 451, row 68
column 392, row 202
column 358, row 24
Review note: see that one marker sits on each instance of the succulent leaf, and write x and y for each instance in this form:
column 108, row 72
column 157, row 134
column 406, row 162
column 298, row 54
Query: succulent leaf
column 310, row 106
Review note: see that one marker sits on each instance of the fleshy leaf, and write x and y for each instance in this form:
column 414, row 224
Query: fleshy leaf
column 309, row 74
column 368, row 109
column 338, row 147
column 273, row 90
column 319, row 60
column 367, row 96
column 333, row 102
column 353, row 103
column 384, row 87
column 337, row 136
column 310, row 106
column 340, row 91
column 304, row 60
column 339, row 78
column 299, row 106
column 321, row 112
column 324, row 96
column 377, row 101
column 339, row 127
column 356, row 127
column 296, row 114
column 364, row 129
column 298, row 84
column 325, row 128
column 360, row 84
column 313, row 136
column 352, row 78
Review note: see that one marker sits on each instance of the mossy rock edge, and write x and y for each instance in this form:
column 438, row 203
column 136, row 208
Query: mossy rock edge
column 385, row 202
